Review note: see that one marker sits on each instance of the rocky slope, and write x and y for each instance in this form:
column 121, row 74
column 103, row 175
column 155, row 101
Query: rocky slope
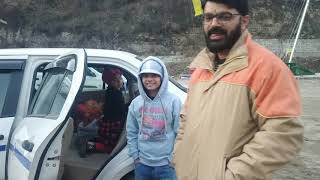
column 143, row 27
column 101, row 23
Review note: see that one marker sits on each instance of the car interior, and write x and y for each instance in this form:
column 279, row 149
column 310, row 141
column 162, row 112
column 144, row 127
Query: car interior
column 93, row 90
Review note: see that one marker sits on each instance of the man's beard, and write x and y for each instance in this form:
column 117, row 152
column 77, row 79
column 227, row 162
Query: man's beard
column 225, row 44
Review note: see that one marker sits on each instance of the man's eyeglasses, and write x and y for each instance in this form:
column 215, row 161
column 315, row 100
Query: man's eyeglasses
column 221, row 17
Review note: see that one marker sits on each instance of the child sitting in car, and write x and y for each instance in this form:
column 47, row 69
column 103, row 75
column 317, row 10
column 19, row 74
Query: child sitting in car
column 88, row 116
column 89, row 113
column 114, row 115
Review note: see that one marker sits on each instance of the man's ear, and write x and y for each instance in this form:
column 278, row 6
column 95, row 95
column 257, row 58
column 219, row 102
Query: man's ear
column 245, row 22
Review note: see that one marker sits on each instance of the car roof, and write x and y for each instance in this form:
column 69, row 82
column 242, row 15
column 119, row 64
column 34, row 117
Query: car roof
column 60, row 51
column 23, row 52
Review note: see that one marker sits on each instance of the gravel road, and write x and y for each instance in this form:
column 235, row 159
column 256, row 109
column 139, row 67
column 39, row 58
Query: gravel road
column 307, row 165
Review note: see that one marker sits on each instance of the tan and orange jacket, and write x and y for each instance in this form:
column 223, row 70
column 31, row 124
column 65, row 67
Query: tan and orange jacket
column 240, row 122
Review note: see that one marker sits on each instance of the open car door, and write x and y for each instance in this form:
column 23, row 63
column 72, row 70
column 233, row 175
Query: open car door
column 34, row 143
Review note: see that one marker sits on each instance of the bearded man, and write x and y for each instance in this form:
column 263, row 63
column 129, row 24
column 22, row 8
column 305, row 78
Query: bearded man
column 240, row 120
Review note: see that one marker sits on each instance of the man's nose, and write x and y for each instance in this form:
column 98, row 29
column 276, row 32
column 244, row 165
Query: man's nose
column 214, row 22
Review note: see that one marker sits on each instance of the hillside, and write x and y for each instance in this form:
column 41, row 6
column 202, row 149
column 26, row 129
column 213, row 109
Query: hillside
column 143, row 27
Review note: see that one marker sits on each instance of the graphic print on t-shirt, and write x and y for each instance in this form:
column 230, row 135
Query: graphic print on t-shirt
column 153, row 125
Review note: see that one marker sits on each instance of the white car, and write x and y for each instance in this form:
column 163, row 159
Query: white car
column 39, row 88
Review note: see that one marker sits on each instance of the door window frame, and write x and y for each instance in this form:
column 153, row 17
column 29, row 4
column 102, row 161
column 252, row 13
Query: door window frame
column 16, row 69
column 67, row 66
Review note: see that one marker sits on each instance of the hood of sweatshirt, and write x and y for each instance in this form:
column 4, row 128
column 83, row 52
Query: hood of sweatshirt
column 164, row 77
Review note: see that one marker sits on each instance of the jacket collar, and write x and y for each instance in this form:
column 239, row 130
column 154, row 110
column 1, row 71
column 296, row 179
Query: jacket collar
column 236, row 60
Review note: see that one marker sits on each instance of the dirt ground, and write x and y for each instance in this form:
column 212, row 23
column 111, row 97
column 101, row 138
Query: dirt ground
column 307, row 165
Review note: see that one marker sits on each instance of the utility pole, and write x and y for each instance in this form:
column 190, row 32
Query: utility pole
column 299, row 30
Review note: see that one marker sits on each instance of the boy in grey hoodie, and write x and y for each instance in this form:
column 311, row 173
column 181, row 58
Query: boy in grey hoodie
column 152, row 123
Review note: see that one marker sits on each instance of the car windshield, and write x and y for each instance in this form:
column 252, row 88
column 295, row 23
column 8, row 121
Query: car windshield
column 184, row 89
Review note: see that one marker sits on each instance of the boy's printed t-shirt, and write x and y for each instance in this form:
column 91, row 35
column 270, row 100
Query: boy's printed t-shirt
column 153, row 125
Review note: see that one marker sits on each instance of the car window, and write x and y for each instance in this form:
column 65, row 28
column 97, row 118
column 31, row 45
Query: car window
column 54, row 91
column 38, row 77
column 10, row 81
column 93, row 80
column 91, row 72
column 4, row 81
column 61, row 96
column 177, row 84
column 36, row 80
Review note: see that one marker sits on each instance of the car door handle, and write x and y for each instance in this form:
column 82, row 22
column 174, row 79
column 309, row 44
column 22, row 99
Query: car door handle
column 1, row 137
column 27, row 145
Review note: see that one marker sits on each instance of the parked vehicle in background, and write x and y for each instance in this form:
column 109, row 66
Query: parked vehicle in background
column 39, row 90
column 93, row 80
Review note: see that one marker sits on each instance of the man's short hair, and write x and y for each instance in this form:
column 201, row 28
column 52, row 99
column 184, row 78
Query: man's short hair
column 240, row 5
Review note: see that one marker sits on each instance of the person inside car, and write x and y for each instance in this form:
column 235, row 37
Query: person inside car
column 89, row 114
column 114, row 115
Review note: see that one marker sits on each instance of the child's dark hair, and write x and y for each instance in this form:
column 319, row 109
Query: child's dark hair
column 240, row 5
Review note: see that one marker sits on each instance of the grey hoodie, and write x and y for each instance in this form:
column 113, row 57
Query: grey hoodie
column 152, row 124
